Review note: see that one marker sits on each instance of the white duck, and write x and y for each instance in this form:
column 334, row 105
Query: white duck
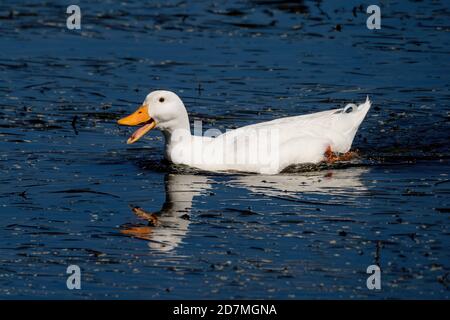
column 265, row 148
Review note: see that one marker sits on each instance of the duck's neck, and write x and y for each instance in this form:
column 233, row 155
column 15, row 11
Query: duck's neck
column 176, row 129
column 176, row 132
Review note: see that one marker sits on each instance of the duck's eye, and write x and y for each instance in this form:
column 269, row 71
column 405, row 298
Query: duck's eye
column 161, row 99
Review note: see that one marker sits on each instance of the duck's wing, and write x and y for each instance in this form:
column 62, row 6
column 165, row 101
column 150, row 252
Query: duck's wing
column 337, row 126
column 301, row 124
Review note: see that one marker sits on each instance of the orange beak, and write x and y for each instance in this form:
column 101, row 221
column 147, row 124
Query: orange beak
column 139, row 117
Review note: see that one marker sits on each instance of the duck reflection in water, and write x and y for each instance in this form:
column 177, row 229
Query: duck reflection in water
column 166, row 228
column 331, row 182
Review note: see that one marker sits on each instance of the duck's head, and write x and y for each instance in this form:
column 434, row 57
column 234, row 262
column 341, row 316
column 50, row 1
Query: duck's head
column 161, row 109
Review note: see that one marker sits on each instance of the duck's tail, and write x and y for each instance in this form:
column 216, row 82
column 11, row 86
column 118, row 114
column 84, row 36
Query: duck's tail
column 357, row 113
column 351, row 118
column 364, row 108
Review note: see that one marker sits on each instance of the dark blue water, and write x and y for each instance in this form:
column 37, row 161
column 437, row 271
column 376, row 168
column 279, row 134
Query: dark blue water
column 69, row 181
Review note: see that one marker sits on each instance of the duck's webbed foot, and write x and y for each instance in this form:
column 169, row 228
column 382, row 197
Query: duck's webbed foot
column 150, row 217
column 331, row 157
